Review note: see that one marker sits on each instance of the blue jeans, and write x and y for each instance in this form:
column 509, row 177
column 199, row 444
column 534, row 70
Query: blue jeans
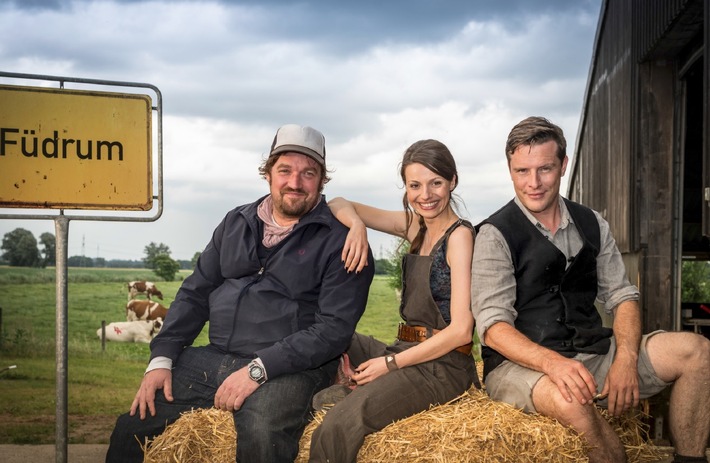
column 269, row 425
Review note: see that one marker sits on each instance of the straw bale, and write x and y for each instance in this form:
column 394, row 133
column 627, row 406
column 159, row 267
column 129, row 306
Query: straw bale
column 472, row 428
column 204, row 435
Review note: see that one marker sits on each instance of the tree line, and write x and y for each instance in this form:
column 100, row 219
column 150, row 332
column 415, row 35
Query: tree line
column 21, row 249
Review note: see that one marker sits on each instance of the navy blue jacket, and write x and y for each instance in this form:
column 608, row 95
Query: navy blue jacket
column 295, row 311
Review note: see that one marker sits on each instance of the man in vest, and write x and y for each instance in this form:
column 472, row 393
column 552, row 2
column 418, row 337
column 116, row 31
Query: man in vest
column 539, row 265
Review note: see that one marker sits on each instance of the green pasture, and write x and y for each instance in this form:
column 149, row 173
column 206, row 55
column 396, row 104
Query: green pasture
column 101, row 383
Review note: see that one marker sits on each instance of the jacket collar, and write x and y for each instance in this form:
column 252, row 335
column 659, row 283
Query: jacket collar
column 320, row 214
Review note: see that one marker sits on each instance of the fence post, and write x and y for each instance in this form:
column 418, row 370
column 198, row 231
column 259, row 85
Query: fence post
column 103, row 335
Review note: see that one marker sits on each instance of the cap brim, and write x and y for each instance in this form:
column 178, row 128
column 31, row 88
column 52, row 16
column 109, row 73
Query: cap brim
column 299, row 149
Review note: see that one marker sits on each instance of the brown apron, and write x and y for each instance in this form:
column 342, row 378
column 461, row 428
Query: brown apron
column 418, row 307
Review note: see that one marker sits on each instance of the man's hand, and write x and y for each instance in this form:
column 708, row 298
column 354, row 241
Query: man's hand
column 572, row 379
column 160, row 378
column 234, row 390
column 622, row 385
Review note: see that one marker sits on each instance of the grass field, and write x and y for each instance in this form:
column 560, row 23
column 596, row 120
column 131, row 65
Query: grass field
column 101, row 383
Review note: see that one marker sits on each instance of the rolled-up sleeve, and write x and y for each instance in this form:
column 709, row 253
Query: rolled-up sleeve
column 493, row 285
column 612, row 282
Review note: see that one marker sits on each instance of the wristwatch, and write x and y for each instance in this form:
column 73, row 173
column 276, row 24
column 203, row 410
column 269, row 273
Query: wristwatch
column 256, row 372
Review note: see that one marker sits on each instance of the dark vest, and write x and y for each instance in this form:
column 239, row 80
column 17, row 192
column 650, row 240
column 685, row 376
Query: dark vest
column 555, row 305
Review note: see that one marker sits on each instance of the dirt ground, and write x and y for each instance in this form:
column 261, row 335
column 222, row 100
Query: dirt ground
column 88, row 439
column 76, row 453
column 82, row 429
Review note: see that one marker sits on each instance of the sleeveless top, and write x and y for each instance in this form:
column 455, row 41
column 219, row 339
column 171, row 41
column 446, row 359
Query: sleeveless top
column 440, row 281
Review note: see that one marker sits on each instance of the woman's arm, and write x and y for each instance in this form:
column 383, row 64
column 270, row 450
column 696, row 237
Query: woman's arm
column 357, row 217
column 459, row 255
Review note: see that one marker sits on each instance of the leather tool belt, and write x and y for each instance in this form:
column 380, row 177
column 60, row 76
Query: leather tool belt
column 411, row 333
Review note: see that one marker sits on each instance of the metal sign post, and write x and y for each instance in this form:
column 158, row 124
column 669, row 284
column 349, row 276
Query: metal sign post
column 78, row 149
column 61, row 227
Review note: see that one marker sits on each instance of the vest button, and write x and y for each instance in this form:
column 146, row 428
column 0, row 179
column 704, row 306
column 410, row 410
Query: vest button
column 554, row 289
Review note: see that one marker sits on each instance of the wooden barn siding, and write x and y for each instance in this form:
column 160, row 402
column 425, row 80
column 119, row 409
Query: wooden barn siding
column 655, row 179
column 603, row 179
column 651, row 19
column 624, row 159
column 706, row 115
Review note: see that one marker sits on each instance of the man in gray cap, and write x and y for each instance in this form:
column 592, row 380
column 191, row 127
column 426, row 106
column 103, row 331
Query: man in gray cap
column 282, row 308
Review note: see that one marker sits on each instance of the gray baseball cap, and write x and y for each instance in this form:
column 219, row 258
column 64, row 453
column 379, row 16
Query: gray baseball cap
column 300, row 139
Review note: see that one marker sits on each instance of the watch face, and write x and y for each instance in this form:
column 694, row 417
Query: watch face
column 256, row 372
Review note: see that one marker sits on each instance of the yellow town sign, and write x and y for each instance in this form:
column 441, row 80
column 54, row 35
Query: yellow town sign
column 75, row 149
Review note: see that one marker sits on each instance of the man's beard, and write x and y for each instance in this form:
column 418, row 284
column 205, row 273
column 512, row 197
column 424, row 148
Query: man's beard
column 293, row 209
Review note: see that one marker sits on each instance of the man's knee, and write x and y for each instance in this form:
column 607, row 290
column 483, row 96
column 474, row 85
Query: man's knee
column 701, row 348
column 513, row 384
column 673, row 354
column 124, row 442
column 694, row 347
column 125, row 427
column 581, row 417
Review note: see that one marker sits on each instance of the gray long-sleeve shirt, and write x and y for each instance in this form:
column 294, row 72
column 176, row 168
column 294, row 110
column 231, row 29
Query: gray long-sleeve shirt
column 493, row 284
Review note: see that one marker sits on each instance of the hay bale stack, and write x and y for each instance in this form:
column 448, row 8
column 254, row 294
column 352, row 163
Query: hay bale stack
column 472, row 428
column 204, row 435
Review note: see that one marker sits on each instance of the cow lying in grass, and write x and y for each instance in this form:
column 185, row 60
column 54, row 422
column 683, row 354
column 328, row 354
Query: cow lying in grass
column 143, row 287
column 138, row 309
column 135, row 331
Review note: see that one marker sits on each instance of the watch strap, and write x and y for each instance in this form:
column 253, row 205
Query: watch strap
column 391, row 362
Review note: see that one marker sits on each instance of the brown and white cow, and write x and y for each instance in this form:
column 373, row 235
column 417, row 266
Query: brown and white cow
column 133, row 331
column 139, row 309
column 143, row 287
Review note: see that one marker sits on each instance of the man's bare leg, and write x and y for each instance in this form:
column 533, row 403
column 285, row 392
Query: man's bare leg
column 684, row 358
column 605, row 445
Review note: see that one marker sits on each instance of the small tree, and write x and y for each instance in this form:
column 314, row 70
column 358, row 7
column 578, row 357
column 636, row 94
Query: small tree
column 165, row 267
column 20, row 248
column 194, row 259
column 395, row 271
column 49, row 249
column 383, row 267
column 152, row 251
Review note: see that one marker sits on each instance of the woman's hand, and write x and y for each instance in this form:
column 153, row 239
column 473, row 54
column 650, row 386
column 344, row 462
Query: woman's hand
column 370, row 370
column 355, row 249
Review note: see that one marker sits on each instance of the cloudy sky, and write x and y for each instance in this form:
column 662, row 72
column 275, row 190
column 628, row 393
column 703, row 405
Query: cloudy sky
column 373, row 76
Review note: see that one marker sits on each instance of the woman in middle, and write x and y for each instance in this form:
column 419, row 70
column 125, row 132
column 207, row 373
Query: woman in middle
column 430, row 362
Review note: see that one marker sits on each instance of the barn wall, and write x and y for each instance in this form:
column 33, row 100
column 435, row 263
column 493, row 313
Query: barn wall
column 603, row 179
column 651, row 20
column 656, row 193
column 623, row 165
